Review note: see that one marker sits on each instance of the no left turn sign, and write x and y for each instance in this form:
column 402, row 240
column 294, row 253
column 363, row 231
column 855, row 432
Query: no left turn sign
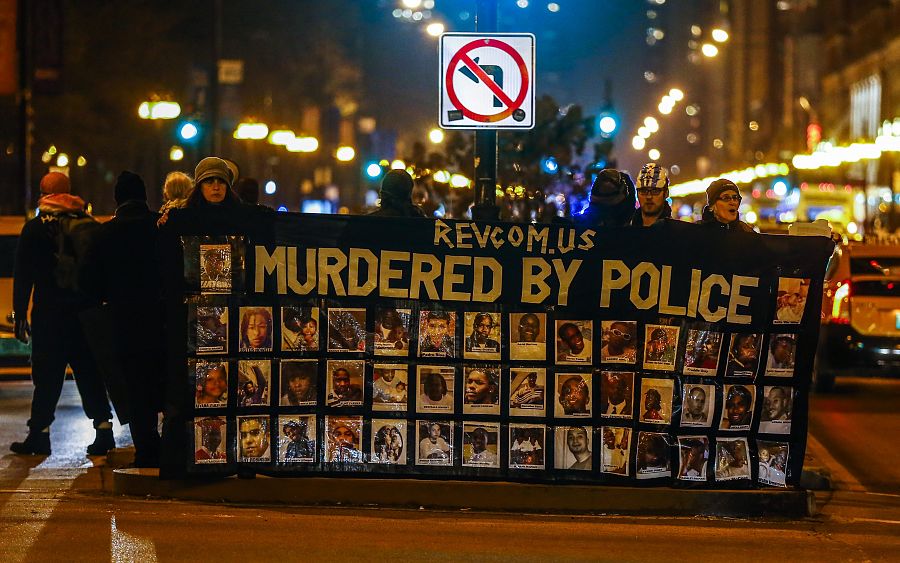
column 487, row 81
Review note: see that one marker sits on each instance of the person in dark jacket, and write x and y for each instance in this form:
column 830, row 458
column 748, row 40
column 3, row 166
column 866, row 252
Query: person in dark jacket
column 122, row 270
column 611, row 203
column 56, row 335
column 723, row 200
column 247, row 190
column 396, row 196
column 652, row 193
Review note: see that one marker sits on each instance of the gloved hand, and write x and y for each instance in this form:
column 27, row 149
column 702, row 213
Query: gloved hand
column 23, row 330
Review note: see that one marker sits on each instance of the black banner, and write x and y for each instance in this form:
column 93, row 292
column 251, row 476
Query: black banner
column 677, row 355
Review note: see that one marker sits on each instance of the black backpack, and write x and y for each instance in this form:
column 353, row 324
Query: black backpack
column 74, row 235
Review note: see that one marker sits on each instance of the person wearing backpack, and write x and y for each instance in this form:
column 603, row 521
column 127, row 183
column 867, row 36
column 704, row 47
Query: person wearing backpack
column 46, row 263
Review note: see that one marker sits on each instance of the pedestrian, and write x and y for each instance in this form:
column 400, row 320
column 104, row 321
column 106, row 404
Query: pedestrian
column 652, row 193
column 247, row 190
column 57, row 338
column 176, row 190
column 723, row 200
column 396, row 196
column 122, row 270
column 612, row 201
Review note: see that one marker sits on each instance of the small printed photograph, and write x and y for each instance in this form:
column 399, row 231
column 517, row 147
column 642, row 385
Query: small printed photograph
column 344, row 385
column 526, row 446
column 616, row 394
column 743, row 355
column 528, row 336
column 297, row 440
column 737, row 413
column 388, row 441
column 346, row 330
column 656, row 400
column 791, row 300
column 436, row 384
column 215, row 268
column 660, row 347
column 299, row 329
column 253, row 439
column 437, row 330
column 482, row 336
column 701, row 352
column 299, row 383
column 693, row 455
column 212, row 330
column 390, row 384
column 781, row 355
column 619, row 342
column 777, row 409
column 527, row 391
column 697, row 405
column 653, row 456
column 210, row 437
column 616, row 450
column 573, row 392
column 481, row 444
column 573, row 342
column 392, row 327
column 732, row 459
column 773, row 460
column 254, row 381
column 256, row 329
column 211, row 384
column 435, row 442
column 481, row 390
column 343, row 439
column 573, row 448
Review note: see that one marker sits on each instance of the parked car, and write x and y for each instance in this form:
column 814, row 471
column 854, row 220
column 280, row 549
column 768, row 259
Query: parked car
column 860, row 331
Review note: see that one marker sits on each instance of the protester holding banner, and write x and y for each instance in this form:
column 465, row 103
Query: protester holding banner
column 396, row 194
column 723, row 200
column 611, row 201
column 652, row 192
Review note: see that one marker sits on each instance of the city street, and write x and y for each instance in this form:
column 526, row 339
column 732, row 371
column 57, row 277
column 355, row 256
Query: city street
column 46, row 505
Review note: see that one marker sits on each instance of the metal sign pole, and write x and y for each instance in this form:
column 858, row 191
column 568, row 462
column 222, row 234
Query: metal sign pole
column 485, row 207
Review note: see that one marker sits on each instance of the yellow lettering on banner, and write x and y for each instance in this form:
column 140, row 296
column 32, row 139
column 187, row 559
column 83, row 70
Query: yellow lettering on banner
column 608, row 283
column 542, row 236
column 482, row 237
column 386, row 274
column 738, row 300
column 516, row 236
column 587, row 240
column 642, row 269
column 534, row 272
column 353, row 285
column 463, row 236
column 564, row 245
column 441, row 230
column 664, row 288
column 331, row 270
column 452, row 279
column 425, row 277
column 706, row 291
column 494, row 240
column 292, row 266
column 266, row 264
column 565, row 278
column 694, row 297
column 478, row 293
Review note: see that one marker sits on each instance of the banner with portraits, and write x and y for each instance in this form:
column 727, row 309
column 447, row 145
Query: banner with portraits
column 677, row 355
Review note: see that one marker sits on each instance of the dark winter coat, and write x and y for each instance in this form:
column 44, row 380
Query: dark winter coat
column 637, row 220
column 390, row 208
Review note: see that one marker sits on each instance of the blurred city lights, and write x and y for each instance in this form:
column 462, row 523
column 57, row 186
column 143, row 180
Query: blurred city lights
column 45, row 158
column 176, row 153
column 522, row 3
column 188, row 131
column 436, row 136
column 81, row 161
column 302, row 144
column 549, row 165
column 282, row 208
column 459, row 181
column 441, row 176
column 750, row 217
column 852, row 228
column 644, row 132
column 281, row 137
column 62, row 160
column 345, row 154
column 608, row 124
column 664, row 109
column 270, row 187
column 653, row 154
column 52, row 150
column 780, row 188
column 553, row 7
column 435, row 29
column 638, row 143
column 254, row 131
column 709, row 50
column 398, row 165
column 719, row 35
column 373, row 170
column 411, row 4
column 651, row 124
column 159, row 110
column 676, row 94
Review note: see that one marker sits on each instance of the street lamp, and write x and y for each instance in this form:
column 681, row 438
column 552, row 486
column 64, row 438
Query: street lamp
column 709, row 50
column 345, row 154
column 436, row 136
column 719, row 35
column 158, row 110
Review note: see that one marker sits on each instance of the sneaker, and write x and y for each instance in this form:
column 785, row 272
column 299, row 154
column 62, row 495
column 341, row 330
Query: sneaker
column 102, row 443
column 36, row 443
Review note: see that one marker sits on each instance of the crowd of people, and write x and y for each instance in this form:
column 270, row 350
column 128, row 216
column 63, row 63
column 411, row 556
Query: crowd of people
column 67, row 265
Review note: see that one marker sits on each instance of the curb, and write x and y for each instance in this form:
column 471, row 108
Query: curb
column 481, row 496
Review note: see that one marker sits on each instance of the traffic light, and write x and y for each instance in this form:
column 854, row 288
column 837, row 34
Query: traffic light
column 188, row 131
column 607, row 124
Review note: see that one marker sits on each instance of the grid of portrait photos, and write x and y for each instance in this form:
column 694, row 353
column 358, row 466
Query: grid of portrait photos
column 413, row 388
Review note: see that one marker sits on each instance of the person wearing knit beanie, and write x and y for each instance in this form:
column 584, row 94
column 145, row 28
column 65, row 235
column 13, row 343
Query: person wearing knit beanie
column 55, row 183
column 212, row 183
column 130, row 187
column 722, row 209
column 396, row 196
column 611, row 201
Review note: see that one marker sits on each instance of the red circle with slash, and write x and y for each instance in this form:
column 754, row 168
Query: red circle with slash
column 462, row 56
